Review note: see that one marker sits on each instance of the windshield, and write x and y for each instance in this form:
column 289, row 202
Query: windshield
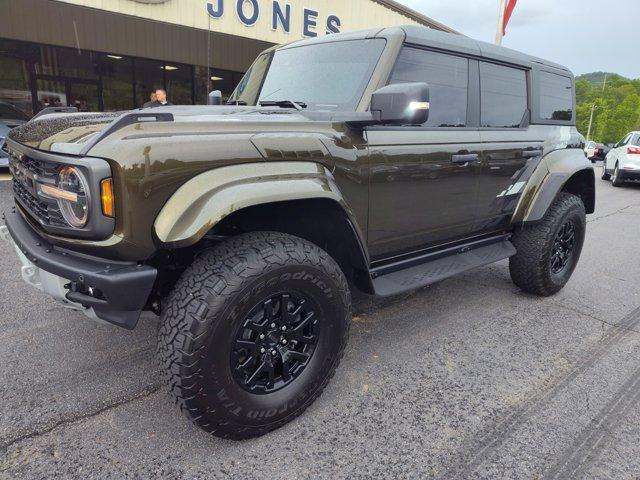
column 326, row 76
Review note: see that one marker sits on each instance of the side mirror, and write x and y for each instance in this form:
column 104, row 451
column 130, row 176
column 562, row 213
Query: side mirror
column 215, row 98
column 401, row 104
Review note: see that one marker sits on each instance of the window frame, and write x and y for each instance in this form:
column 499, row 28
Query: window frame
column 536, row 97
column 470, row 86
column 525, row 121
column 473, row 101
column 473, row 92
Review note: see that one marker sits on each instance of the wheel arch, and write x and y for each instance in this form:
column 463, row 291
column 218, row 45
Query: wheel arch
column 560, row 171
column 297, row 198
column 329, row 227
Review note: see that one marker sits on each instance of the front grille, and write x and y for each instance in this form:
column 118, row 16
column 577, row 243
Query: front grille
column 40, row 168
column 47, row 213
column 26, row 171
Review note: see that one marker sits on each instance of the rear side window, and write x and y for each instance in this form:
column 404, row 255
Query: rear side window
column 448, row 79
column 556, row 97
column 503, row 96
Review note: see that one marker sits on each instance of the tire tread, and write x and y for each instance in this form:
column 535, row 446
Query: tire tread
column 214, row 277
column 529, row 267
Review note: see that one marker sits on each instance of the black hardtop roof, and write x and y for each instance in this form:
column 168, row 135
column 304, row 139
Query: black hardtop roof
column 440, row 40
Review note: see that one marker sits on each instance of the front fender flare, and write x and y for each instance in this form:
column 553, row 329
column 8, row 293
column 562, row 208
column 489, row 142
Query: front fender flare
column 198, row 205
column 548, row 180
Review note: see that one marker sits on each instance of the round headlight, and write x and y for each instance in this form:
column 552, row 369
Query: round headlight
column 75, row 208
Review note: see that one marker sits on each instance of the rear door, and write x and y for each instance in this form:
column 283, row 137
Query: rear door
column 511, row 150
column 615, row 153
column 423, row 178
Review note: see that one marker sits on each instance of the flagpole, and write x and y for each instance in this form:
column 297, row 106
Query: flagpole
column 500, row 30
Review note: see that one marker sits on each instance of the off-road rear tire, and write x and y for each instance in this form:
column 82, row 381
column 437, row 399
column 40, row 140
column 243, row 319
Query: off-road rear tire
column 544, row 263
column 261, row 302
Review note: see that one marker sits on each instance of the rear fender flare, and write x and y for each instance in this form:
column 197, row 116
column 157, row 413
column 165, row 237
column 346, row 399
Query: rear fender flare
column 554, row 173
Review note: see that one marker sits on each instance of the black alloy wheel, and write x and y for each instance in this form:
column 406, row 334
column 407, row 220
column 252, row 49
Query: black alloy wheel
column 563, row 247
column 275, row 343
column 548, row 251
column 253, row 331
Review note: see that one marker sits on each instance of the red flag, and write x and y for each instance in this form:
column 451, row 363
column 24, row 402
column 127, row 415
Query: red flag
column 508, row 10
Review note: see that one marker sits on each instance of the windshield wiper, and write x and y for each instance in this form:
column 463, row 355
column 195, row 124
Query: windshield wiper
column 283, row 104
column 237, row 102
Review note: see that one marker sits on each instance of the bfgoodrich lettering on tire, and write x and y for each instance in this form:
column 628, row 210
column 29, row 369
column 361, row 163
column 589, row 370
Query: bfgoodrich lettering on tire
column 549, row 250
column 252, row 333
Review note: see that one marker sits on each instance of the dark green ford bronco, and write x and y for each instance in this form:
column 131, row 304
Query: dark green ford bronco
column 380, row 161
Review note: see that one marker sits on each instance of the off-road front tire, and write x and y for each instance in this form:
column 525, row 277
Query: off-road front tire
column 605, row 175
column 548, row 251
column 252, row 333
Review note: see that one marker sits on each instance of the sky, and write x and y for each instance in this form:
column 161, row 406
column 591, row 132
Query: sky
column 584, row 35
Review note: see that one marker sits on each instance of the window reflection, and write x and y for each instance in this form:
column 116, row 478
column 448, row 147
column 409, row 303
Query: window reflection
column 14, row 77
column 34, row 76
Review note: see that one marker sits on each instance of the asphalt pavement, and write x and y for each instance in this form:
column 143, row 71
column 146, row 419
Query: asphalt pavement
column 469, row 378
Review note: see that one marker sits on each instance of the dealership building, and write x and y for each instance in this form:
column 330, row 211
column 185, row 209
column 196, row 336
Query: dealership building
column 110, row 54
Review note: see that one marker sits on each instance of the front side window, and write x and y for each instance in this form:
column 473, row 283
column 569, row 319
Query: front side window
column 329, row 76
column 503, row 96
column 448, row 79
column 556, row 97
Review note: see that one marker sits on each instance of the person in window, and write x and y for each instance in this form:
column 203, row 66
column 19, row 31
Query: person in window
column 161, row 99
column 152, row 99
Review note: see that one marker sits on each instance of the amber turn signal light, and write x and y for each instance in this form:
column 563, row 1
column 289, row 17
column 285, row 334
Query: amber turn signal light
column 108, row 200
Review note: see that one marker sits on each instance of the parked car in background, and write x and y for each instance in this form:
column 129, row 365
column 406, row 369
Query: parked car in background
column 596, row 151
column 10, row 117
column 589, row 149
column 623, row 161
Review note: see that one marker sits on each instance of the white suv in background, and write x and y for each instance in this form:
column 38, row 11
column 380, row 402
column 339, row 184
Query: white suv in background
column 623, row 161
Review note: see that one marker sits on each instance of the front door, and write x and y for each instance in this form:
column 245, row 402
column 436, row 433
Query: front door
column 423, row 179
column 422, row 188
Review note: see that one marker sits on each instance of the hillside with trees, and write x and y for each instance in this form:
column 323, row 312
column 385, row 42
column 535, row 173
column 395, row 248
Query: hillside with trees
column 617, row 104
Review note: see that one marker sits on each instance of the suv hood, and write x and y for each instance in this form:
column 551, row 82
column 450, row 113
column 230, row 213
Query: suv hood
column 77, row 133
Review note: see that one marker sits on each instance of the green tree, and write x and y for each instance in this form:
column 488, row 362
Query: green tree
column 617, row 109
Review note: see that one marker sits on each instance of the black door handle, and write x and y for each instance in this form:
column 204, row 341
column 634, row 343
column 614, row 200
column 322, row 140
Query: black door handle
column 464, row 158
column 532, row 153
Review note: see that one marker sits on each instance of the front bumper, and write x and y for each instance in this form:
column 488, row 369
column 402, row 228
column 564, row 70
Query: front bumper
column 112, row 291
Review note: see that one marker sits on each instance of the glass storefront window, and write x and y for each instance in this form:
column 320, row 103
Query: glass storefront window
column 66, row 62
column 223, row 80
column 149, row 76
column 178, row 79
column 51, row 93
column 14, row 78
column 117, row 82
column 94, row 81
